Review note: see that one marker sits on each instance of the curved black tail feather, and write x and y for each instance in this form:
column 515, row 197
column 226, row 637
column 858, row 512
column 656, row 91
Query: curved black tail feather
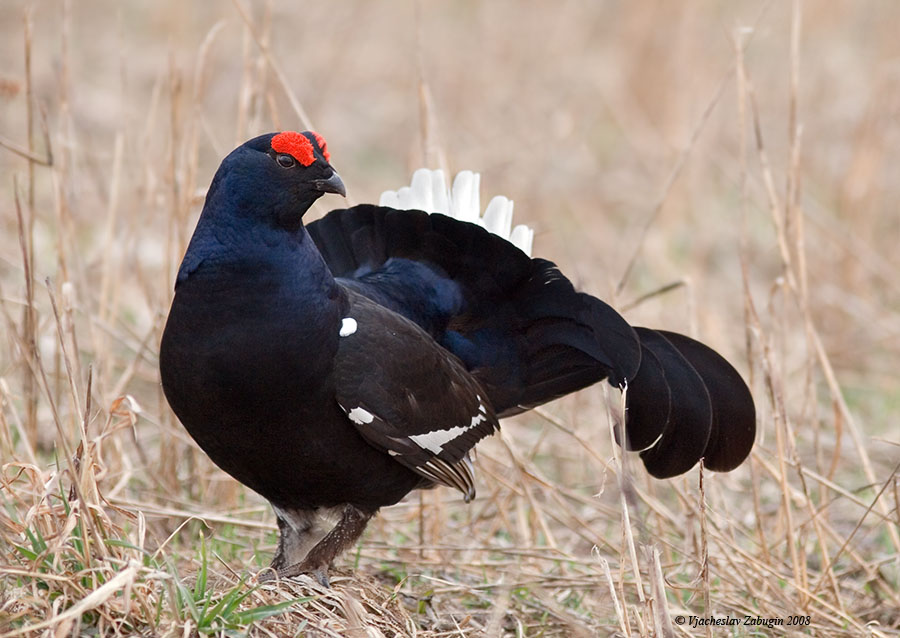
column 686, row 403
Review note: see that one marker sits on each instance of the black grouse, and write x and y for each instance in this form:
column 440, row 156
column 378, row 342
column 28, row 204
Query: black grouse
column 335, row 367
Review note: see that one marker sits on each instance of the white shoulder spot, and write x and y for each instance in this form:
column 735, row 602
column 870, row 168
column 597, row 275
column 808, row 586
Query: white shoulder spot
column 348, row 326
column 360, row 416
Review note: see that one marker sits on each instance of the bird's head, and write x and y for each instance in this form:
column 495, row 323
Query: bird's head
column 275, row 178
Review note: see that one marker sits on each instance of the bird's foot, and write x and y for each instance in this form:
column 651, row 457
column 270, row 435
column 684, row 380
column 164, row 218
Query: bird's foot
column 267, row 575
column 318, row 572
column 348, row 529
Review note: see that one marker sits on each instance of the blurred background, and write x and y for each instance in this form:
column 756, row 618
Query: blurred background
column 579, row 111
column 648, row 143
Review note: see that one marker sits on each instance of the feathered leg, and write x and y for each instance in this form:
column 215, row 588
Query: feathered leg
column 296, row 532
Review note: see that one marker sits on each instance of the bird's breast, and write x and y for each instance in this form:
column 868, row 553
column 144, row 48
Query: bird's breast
column 231, row 352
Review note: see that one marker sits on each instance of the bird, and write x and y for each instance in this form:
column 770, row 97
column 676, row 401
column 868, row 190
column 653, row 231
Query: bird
column 334, row 367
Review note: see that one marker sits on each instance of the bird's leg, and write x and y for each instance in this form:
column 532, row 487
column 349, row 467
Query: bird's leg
column 348, row 529
column 295, row 531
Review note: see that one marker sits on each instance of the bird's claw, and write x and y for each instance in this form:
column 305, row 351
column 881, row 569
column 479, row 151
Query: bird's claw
column 321, row 576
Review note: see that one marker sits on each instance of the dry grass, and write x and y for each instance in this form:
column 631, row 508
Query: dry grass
column 745, row 152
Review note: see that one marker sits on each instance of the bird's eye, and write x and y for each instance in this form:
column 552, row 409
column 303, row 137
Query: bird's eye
column 285, row 160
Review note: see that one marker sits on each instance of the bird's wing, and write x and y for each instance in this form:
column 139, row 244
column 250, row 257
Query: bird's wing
column 408, row 396
column 517, row 324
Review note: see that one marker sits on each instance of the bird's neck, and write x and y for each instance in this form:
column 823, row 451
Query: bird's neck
column 275, row 275
column 254, row 317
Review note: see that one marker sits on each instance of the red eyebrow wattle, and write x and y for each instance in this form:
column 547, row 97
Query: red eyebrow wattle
column 296, row 145
column 322, row 145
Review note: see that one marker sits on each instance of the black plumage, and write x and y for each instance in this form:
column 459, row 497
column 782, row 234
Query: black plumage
column 335, row 367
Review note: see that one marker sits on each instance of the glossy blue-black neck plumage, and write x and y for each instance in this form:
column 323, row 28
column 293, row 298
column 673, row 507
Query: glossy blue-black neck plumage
column 252, row 213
